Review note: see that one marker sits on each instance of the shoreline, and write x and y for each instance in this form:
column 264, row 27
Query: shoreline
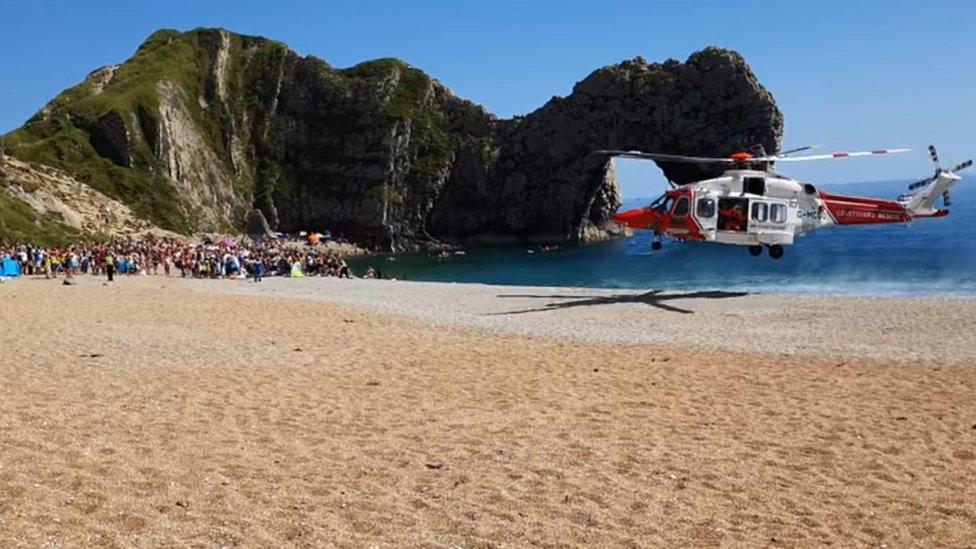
column 811, row 293
column 884, row 289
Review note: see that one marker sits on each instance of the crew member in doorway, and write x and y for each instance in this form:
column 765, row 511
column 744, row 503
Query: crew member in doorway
column 734, row 218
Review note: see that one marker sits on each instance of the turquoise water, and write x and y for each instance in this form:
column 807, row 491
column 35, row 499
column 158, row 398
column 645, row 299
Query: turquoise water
column 936, row 257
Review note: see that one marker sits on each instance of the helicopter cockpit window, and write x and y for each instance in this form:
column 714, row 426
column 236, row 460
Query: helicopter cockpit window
column 760, row 211
column 706, row 208
column 681, row 208
column 777, row 213
column 662, row 204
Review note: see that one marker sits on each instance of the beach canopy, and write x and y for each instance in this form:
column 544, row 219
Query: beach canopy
column 9, row 267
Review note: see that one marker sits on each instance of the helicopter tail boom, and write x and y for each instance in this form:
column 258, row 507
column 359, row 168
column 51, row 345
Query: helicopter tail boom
column 857, row 210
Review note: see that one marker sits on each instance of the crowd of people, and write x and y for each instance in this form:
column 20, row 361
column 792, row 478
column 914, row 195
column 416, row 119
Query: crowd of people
column 223, row 258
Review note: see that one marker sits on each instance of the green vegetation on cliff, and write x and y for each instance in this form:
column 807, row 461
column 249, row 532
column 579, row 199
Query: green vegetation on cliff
column 274, row 130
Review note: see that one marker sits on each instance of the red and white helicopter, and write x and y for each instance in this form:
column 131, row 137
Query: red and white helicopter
column 751, row 205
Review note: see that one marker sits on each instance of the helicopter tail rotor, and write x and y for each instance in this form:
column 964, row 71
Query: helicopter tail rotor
column 946, row 199
column 923, row 193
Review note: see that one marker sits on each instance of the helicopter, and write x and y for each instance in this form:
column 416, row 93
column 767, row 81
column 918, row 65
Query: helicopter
column 752, row 205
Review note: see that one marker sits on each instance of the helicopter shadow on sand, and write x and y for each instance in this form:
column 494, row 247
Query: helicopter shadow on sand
column 654, row 298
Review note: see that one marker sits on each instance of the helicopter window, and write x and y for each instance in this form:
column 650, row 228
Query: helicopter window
column 706, row 208
column 777, row 213
column 760, row 211
column 658, row 202
column 662, row 204
column 681, row 208
column 732, row 214
column 754, row 185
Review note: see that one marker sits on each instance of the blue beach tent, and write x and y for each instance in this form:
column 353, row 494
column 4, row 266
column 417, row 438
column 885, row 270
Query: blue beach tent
column 9, row 267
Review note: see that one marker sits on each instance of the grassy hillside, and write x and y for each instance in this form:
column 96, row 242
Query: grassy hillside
column 53, row 136
column 198, row 127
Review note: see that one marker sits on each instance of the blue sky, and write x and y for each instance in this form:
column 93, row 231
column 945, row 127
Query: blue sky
column 847, row 75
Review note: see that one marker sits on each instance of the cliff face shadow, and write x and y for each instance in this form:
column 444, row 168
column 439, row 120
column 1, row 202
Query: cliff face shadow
column 655, row 298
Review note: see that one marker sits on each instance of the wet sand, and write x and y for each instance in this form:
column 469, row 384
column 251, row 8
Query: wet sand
column 162, row 412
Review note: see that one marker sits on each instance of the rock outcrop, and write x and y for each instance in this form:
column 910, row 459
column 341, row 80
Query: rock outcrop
column 199, row 128
column 257, row 226
column 109, row 137
column 545, row 181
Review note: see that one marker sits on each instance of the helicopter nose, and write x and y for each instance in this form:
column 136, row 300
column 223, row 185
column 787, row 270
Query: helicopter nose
column 640, row 218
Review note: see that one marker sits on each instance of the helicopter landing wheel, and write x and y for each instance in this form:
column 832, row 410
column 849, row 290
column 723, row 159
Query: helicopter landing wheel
column 755, row 251
column 656, row 245
column 775, row 251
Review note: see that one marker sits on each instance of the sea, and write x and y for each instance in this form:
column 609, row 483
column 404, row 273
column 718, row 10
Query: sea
column 926, row 258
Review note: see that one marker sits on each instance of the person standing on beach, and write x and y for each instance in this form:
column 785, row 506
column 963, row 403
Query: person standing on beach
column 166, row 263
column 110, row 265
column 258, row 269
column 50, row 267
column 72, row 263
column 38, row 261
column 22, row 257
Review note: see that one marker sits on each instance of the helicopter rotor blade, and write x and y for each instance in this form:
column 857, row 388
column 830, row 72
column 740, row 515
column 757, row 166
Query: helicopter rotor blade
column 831, row 156
column 748, row 159
column 798, row 149
column 935, row 157
column 667, row 157
column 920, row 183
column 963, row 166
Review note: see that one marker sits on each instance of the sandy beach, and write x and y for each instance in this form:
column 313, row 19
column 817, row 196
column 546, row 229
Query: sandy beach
column 323, row 412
